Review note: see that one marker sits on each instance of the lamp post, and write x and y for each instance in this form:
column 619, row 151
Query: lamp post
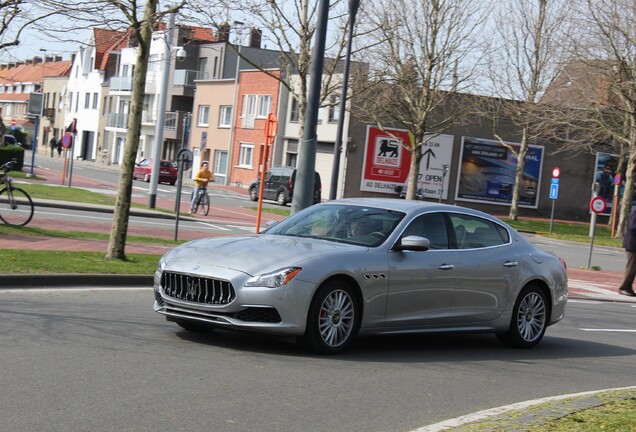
column 353, row 10
column 161, row 111
column 444, row 171
column 228, row 172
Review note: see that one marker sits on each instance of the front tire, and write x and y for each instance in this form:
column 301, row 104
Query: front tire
column 16, row 211
column 205, row 204
column 529, row 319
column 253, row 194
column 333, row 319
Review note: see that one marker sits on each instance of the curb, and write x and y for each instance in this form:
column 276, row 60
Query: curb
column 57, row 280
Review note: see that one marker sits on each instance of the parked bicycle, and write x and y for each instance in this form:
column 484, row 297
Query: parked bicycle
column 16, row 206
column 203, row 202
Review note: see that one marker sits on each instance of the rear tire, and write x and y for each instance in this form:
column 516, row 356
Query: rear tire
column 147, row 178
column 529, row 319
column 333, row 319
column 281, row 199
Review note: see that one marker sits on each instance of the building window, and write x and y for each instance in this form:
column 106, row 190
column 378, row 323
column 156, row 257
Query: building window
column 225, row 116
column 204, row 115
column 264, row 104
column 294, row 115
column 245, row 155
column 95, row 96
column 249, row 105
column 87, row 100
column 77, row 101
column 334, row 109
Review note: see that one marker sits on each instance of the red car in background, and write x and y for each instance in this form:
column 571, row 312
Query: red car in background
column 167, row 171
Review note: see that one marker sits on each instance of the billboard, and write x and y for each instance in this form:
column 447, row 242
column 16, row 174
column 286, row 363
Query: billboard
column 487, row 173
column 387, row 162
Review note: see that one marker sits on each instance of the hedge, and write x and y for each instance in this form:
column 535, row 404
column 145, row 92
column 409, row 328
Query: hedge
column 10, row 152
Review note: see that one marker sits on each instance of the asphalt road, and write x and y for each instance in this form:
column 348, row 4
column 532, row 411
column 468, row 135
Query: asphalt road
column 101, row 360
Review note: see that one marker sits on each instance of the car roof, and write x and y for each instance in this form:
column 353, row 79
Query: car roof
column 409, row 206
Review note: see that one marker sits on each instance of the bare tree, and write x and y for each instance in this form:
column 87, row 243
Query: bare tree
column 16, row 17
column 528, row 56
column 139, row 20
column 290, row 26
column 424, row 53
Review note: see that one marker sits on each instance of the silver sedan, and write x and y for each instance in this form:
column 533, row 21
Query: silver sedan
column 367, row 266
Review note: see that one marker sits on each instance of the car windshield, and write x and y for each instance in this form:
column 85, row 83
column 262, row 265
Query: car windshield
column 360, row 225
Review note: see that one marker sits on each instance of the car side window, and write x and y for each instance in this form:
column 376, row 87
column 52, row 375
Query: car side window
column 432, row 226
column 472, row 232
column 268, row 175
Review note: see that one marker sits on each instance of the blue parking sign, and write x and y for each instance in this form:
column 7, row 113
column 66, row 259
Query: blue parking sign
column 554, row 191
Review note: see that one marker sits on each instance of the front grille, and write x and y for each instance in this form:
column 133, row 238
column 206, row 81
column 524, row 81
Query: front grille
column 197, row 289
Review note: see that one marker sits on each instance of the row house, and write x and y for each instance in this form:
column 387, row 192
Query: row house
column 48, row 75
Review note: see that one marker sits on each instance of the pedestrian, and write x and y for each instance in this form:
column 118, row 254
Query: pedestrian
column 629, row 243
column 59, row 148
column 53, row 144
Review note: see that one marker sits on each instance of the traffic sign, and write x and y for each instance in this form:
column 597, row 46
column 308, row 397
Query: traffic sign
column 14, row 122
column 554, row 190
column 67, row 140
column 617, row 179
column 598, row 205
column 185, row 157
column 556, row 172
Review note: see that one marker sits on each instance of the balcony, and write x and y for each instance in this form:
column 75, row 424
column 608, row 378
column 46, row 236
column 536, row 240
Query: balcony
column 121, row 83
column 117, row 121
column 173, row 126
column 183, row 81
column 49, row 113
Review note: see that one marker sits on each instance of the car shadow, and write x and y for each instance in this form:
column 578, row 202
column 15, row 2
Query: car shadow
column 454, row 347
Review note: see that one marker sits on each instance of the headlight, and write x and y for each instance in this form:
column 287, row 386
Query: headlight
column 160, row 266
column 274, row 279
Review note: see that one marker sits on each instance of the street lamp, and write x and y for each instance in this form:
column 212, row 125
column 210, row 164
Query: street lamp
column 161, row 109
column 441, row 190
column 239, row 26
column 353, row 10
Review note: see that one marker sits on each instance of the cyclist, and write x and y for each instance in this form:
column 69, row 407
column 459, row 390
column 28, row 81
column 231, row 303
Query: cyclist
column 200, row 182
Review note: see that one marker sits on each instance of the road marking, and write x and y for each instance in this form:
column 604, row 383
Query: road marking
column 609, row 330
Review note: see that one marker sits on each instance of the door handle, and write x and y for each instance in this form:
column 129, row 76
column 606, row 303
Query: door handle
column 511, row 264
column 446, row 267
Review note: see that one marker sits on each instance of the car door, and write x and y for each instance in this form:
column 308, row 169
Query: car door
column 270, row 175
column 422, row 283
column 486, row 269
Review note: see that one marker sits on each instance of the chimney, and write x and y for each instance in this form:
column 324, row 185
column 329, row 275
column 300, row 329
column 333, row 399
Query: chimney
column 255, row 38
column 58, row 58
column 49, row 59
column 37, row 60
column 3, row 66
column 224, row 32
column 29, row 61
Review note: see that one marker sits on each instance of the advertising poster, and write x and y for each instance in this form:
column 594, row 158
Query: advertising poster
column 605, row 168
column 487, row 173
column 387, row 162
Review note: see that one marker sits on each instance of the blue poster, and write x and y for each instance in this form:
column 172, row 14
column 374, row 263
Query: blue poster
column 487, row 173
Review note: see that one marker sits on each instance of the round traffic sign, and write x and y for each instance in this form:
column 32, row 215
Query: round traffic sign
column 598, row 205
column 617, row 179
column 67, row 140
column 14, row 122
column 184, row 158
column 556, row 172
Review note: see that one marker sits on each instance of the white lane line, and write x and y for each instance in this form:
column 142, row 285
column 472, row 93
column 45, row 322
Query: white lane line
column 68, row 290
column 609, row 330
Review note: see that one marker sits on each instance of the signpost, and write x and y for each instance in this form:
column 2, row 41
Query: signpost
column 598, row 206
column 554, row 192
column 271, row 127
column 184, row 162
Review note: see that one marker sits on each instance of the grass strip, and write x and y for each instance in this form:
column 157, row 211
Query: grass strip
column 55, row 262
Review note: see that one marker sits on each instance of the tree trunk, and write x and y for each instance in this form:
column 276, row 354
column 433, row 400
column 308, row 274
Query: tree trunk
column 119, row 231
column 628, row 193
column 521, row 166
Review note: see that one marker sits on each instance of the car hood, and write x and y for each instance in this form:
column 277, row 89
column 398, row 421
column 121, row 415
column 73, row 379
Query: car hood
column 254, row 254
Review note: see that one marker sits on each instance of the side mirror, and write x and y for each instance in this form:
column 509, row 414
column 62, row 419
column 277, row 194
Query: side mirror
column 414, row 243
